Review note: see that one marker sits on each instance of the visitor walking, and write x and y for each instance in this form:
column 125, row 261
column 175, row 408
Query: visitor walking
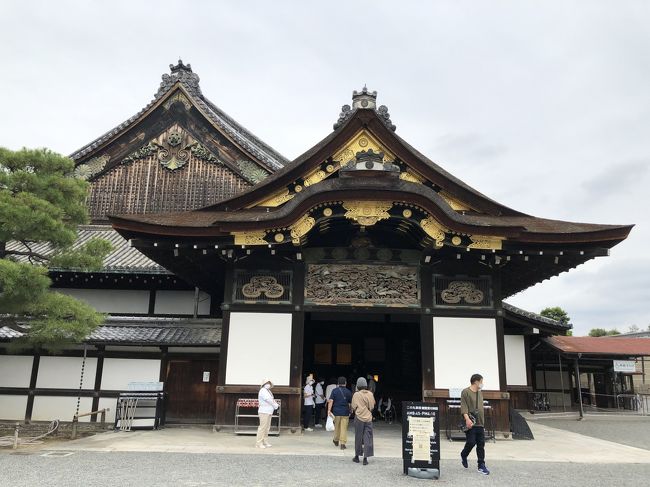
column 331, row 385
column 319, row 398
column 266, row 406
column 338, row 407
column 308, row 403
column 363, row 402
column 471, row 407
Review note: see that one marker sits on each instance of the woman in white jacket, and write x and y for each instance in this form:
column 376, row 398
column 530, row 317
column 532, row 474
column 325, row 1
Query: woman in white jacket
column 266, row 405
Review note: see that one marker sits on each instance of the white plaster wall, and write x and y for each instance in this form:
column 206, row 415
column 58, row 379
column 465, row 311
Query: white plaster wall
column 65, row 372
column 15, row 371
column 47, row 408
column 180, row 303
column 118, row 372
column 13, row 407
column 110, row 403
column 259, row 347
column 462, row 347
column 112, row 300
column 515, row 350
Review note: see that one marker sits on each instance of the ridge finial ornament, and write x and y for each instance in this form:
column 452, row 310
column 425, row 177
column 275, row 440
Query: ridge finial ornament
column 179, row 66
column 182, row 73
column 364, row 99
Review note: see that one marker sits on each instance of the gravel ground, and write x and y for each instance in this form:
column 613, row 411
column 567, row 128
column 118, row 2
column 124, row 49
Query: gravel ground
column 180, row 469
column 627, row 431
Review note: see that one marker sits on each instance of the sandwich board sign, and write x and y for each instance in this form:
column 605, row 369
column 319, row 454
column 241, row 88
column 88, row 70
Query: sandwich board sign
column 421, row 439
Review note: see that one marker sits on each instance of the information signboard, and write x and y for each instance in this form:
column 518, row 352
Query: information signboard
column 421, row 439
column 626, row 366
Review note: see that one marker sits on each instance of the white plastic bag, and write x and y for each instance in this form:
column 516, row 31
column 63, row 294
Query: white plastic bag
column 329, row 425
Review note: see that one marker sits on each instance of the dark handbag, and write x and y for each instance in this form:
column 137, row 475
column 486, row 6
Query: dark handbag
column 463, row 426
column 473, row 417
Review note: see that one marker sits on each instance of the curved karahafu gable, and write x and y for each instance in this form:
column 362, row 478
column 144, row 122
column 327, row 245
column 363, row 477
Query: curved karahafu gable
column 363, row 176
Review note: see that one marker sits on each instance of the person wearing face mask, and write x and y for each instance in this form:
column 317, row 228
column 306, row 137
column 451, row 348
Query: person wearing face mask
column 308, row 403
column 266, row 405
column 471, row 408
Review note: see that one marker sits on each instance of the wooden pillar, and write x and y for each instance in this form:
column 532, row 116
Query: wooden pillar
column 221, row 406
column 32, row 386
column 99, row 370
column 501, row 348
column 292, row 416
column 426, row 328
column 577, row 372
column 426, row 344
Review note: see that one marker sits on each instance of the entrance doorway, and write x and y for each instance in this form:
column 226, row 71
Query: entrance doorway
column 191, row 390
column 354, row 345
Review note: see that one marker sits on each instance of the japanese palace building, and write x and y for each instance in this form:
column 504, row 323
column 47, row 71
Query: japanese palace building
column 231, row 264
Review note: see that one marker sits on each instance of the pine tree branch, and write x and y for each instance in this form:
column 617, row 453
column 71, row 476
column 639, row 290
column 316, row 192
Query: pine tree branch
column 30, row 255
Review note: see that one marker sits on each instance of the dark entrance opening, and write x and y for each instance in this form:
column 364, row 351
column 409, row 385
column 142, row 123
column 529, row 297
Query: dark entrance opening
column 360, row 344
column 191, row 390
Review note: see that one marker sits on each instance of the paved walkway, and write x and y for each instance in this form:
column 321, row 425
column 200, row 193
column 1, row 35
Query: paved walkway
column 90, row 469
column 627, row 430
column 550, row 445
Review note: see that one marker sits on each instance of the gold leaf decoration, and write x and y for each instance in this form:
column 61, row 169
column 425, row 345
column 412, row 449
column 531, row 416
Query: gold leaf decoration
column 301, row 227
column 367, row 213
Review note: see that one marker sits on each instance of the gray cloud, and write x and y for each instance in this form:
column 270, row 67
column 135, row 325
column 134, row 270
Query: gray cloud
column 472, row 148
column 546, row 109
column 617, row 178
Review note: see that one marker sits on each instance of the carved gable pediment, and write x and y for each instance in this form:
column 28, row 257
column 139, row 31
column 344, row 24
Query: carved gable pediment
column 363, row 142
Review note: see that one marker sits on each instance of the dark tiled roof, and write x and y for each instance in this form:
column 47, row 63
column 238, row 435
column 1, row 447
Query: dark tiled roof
column 122, row 258
column 182, row 74
column 543, row 320
column 147, row 331
column 9, row 333
column 158, row 334
column 524, row 228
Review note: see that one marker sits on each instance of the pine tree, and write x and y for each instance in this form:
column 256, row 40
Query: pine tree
column 556, row 313
column 42, row 202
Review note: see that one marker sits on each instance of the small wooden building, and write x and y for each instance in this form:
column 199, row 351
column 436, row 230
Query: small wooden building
column 361, row 256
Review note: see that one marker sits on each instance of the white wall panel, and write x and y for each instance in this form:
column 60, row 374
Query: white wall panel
column 462, row 347
column 180, row 303
column 47, row 408
column 65, row 372
column 118, row 372
column 110, row 403
column 13, row 407
column 515, row 350
column 15, row 370
column 259, row 347
column 112, row 300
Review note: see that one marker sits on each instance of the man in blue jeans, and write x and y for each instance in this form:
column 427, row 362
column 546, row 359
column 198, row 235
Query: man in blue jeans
column 471, row 407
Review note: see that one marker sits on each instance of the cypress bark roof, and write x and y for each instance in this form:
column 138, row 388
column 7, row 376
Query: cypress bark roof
column 182, row 75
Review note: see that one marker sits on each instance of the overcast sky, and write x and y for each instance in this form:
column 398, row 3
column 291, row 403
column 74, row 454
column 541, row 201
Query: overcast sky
column 543, row 106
